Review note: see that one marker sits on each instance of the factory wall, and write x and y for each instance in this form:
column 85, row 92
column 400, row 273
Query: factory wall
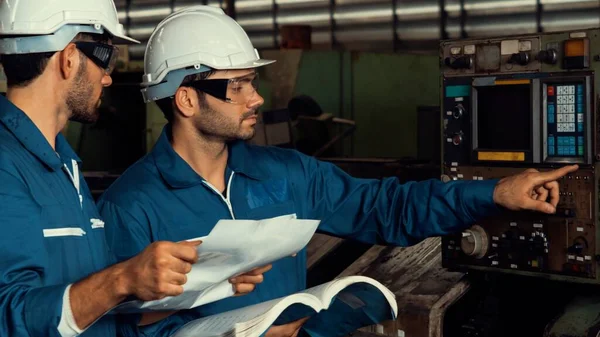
column 381, row 92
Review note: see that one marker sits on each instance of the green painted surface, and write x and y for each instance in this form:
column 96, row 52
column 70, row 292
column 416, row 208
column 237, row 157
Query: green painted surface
column 387, row 90
column 319, row 77
column 265, row 90
column 73, row 134
column 347, row 101
column 326, row 77
column 155, row 121
column 380, row 92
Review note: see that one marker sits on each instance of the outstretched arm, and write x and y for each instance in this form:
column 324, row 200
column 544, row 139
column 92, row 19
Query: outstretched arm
column 388, row 212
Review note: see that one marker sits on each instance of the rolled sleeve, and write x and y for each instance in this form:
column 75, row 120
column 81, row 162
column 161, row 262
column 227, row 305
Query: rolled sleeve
column 44, row 311
column 67, row 327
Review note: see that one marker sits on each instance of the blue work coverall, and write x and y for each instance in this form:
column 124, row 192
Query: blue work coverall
column 52, row 233
column 162, row 198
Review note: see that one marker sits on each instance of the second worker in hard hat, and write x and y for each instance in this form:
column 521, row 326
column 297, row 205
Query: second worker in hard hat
column 57, row 275
column 201, row 69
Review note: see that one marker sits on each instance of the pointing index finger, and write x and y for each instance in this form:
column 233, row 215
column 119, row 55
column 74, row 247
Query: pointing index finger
column 553, row 175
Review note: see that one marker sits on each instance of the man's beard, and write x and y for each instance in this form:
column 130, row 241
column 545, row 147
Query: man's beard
column 78, row 99
column 216, row 125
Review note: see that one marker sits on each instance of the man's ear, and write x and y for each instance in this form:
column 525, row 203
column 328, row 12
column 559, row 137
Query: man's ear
column 187, row 101
column 69, row 60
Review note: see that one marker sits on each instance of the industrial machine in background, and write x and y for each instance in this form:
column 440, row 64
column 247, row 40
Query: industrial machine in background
column 510, row 104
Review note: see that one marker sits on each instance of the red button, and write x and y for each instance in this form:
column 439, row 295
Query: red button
column 550, row 91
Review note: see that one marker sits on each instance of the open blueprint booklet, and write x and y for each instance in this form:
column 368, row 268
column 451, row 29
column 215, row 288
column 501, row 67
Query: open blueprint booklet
column 335, row 308
column 232, row 248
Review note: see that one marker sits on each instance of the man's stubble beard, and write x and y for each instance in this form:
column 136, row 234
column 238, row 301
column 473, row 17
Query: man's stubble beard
column 214, row 124
column 78, row 98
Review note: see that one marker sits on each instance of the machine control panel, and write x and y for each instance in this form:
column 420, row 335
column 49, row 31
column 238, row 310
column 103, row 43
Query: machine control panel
column 495, row 56
column 516, row 103
column 560, row 244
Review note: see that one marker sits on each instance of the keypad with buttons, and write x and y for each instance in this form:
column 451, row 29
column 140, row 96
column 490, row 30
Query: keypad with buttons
column 565, row 120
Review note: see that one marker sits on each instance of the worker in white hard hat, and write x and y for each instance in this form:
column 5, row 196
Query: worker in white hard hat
column 57, row 274
column 201, row 70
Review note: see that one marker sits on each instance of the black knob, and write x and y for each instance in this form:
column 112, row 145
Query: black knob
column 463, row 62
column 566, row 212
column 458, row 111
column 457, row 139
column 549, row 56
column 521, row 58
column 576, row 248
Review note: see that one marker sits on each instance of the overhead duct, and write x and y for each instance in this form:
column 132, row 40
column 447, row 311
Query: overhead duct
column 369, row 24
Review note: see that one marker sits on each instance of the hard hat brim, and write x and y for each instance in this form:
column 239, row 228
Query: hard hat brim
column 122, row 39
column 248, row 65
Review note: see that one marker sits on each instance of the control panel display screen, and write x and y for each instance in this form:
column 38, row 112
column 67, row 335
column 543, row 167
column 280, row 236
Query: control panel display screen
column 503, row 117
column 566, row 120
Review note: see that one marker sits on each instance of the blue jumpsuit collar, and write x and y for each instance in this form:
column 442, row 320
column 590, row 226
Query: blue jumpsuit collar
column 241, row 161
column 177, row 173
column 28, row 134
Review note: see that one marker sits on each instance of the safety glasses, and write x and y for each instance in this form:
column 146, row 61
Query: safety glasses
column 103, row 55
column 239, row 90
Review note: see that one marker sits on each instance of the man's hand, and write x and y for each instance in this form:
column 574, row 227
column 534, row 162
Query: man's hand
column 246, row 283
column 286, row 330
column 531, row 189
column 160, row 269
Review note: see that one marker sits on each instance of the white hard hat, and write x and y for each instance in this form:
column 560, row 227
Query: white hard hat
column 190, row 41
column 49, row 25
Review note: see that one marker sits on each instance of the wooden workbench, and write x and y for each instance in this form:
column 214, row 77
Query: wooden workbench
column 423, row 289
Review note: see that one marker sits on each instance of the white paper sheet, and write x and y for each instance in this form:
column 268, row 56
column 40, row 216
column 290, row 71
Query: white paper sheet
column 232, row 248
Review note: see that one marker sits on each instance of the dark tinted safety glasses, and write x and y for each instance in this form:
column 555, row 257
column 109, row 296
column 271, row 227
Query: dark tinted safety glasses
column 103, row 55
column 239, row 90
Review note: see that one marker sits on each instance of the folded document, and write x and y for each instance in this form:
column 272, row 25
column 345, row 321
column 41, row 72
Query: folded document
column 336, row 309
column 232, row 248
